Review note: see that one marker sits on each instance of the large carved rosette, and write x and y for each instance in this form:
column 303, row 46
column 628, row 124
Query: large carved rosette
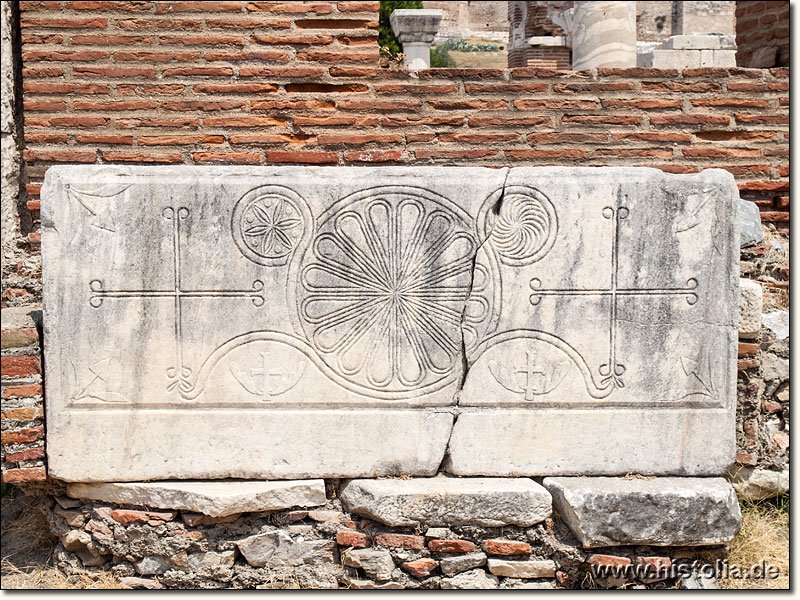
column 382, row 288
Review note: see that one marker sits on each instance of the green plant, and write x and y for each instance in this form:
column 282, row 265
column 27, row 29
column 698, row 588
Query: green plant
column 386, row 38
column 441, row 59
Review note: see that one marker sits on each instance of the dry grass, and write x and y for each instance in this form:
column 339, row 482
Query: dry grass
column 764, row 537
column 27, row 549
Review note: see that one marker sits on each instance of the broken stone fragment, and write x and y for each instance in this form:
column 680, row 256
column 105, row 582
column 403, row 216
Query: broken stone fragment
column 660, row 511
column 420, row 568
column 278, row 549
column 456, row 564
column 471, row 580
column 376, row 564
column 522, row 569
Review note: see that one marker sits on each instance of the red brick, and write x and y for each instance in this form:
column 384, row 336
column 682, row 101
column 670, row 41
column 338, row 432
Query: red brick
column 27, row 454
column 64, row 22
column 353, row 539
column 296, row 156
column 211, row 7
column 399, row 540
column 31, row 434
column 177, row 123
column 752, row 363
column 747, row 349
column 334, row 120
column 461, row 73
column 104, row 39
column 772, row 86
column 774, row 216
column 641, row 103
column 420, row 568
column 292, row 40
column 415, row 88
column 426, row 136
column 370, row 56
column 501, row 121
column 293, row 72
column 594, row 87
column 25, row 413
column 608, row 560
column 348, row 7
column 534, row 72
column 19, row 366
column 126, row 140
column 198, row 72
column 178, row 140
column 653, row 136
column 634, row 152
column 151, row 23
column 506, row 547
column 23, row 475
column 226, row 158
column 76, row 156
column 248, row 55
column 374, row 156
column 235, row 88
column 667, row 120
column 325, row 88
column 730, row 102
column 764, row 186
column 201, row 40
column 721, row 152
column 457, row 104
column 393, row 106
column 451, row 546
column 770, row 406
column 414, row 121
column 478, row 138
column 144, row 89
column 358, row 139
column 562, row 138
column 135, row 157
column 455, row 153
column 126, row 516
column 602, row 120
column 681, row 86
column 725, row 136
column 65, row 121
column 270, row 138
column 248, row 24
column 555, row 104
column 330, row 24
column 243, row 121
column 158, row 57
column 203, row 105
column 44, row 71
column 45, row 138
column 115, row 105
column 360, row 72
column 121, row 6
column 28, row 6
column 44, row 105
column 64, row 55
column 638, row 72
column 319, row 8
column 40, row 87
column 113, row 72
column 535, row 153
column 747, row 458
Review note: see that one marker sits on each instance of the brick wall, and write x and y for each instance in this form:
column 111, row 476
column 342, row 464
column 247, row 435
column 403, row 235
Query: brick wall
column 22, row 414
column 762, row 34
column 302, row 83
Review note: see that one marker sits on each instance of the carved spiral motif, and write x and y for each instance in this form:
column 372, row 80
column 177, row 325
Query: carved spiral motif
column 526, row 227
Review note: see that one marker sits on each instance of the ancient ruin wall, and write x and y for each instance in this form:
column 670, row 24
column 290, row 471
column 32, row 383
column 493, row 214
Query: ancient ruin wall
column 302, row 83
column 762, row 34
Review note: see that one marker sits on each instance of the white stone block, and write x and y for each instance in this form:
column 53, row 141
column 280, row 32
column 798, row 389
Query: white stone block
column 447, row 501
column 675, row 59
column 725, row 58
column 692, row 42
column 628, row 362
column 750, row 303
column 212, row 498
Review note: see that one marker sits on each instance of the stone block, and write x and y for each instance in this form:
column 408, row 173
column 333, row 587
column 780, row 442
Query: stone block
column 377, row 564
column 446, row 501
column 749, row 223
column 626, row 364
column 456, row 564
column 214, row 322
column 777, row 322
column 522, row 569
column 692, row 42
column 751, row 298
column 277, row 548
column 662, row 511
column 675, row 59
column 477, row 579
column 757, row 484
column 724, row 58
column 212, row 498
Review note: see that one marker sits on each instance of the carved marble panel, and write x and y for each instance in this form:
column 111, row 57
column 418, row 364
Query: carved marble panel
column 290, row 322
